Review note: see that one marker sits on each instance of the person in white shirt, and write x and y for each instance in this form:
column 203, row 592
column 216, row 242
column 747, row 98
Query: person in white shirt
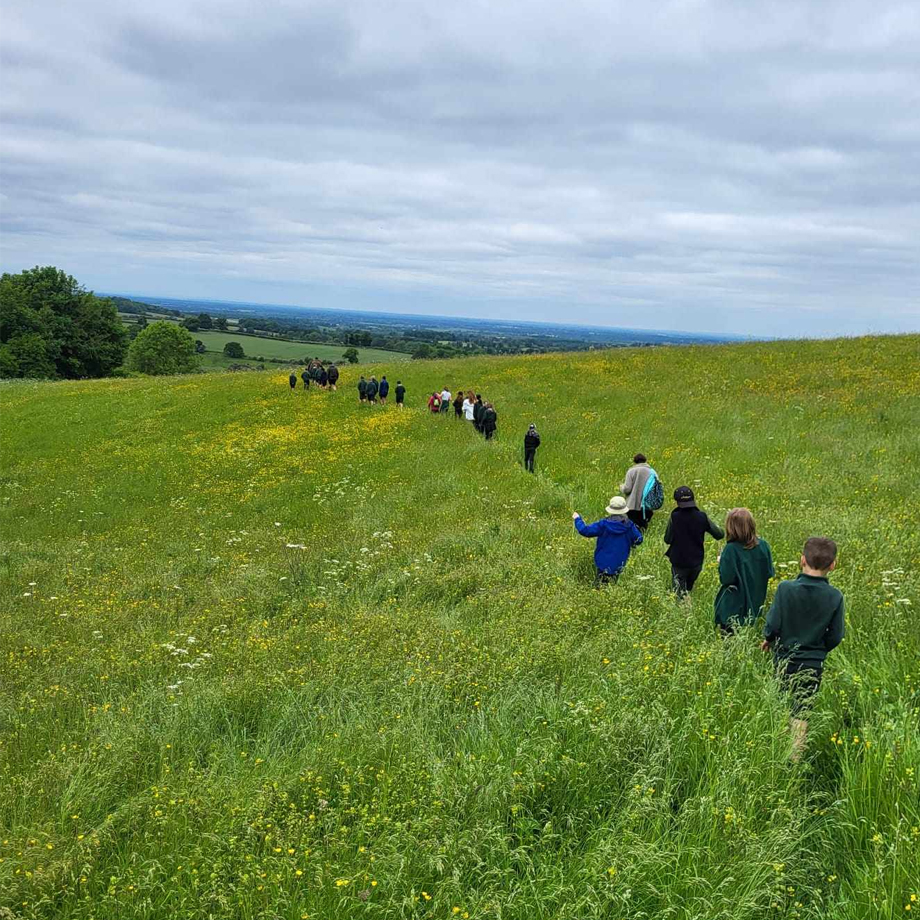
column 468, row 405
column 445, row 401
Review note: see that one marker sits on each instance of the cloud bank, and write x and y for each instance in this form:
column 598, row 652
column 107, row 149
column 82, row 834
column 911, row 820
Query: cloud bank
column 693, row 164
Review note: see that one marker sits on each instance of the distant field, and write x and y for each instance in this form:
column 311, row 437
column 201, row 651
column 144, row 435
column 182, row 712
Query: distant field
column 276, row 348
column 257, row 346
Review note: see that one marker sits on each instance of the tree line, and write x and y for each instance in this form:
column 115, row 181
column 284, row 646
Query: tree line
column 52, row 328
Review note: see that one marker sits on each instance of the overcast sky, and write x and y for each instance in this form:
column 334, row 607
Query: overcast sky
column 716, row 166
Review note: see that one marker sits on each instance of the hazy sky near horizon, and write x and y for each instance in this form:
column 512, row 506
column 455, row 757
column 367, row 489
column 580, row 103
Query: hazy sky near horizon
column 701, row 165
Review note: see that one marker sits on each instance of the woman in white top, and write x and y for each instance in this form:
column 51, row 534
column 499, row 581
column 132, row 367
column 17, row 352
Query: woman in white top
column 468, row 405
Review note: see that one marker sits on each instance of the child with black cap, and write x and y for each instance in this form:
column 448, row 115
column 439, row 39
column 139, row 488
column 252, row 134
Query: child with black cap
column 687, row 528
column 531, row 443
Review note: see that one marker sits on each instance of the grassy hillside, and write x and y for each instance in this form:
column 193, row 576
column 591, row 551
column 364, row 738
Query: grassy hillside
column 281, row 655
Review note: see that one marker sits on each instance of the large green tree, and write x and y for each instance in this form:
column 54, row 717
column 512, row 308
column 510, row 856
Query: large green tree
column 163, row 348
column 50, row 326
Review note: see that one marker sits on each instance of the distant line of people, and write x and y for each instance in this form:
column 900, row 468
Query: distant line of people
column 315, row 372
column 369, row 390
column 468, row 406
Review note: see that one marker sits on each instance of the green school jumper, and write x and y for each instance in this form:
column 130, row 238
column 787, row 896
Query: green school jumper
column 744, row 574
column 805, row 620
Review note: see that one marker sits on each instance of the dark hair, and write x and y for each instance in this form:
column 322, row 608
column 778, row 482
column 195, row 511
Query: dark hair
column 820, row 553
column 398, row 382
column 640, row 458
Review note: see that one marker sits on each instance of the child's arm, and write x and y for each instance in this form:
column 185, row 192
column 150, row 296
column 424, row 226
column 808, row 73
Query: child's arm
column 834, row 635
column 667, row 532
column 714, row 528
column 636, row 535
column 586, row 530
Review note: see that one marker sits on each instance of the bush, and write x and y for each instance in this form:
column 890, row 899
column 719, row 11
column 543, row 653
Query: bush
column 351, row 355
column 163, row 348
column 234, row 350
column 52, row 327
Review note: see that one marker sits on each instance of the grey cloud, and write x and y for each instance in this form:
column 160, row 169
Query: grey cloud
column 753, row 169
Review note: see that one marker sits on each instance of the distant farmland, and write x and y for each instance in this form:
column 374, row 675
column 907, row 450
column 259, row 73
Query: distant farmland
column 295, row 351
column 256, row 346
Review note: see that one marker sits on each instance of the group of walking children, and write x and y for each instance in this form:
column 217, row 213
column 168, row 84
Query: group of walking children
column 325, row 377
column 805, row 620
column 468, row 406
column 370, row 390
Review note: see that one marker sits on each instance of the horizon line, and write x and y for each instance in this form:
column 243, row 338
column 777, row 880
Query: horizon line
column 720, row 336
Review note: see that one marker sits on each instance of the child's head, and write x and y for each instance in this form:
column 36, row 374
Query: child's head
column 640, row 458
column 819, row 554
column 740, row 528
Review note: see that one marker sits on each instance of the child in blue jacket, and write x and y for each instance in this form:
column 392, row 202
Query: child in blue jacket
column 616, row 536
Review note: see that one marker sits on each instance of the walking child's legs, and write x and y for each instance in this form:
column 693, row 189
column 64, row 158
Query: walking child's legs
column 639, row 519
column 683, row 580
column 802, row 681
column 798, row 728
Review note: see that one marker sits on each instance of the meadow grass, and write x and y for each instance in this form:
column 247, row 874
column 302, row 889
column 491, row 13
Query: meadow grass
column 275, row 655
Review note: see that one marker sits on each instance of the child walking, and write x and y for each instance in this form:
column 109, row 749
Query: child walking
column 616, row 536
column 745, row 570
column 687, row 528
column 805, row 622
column 531, row 443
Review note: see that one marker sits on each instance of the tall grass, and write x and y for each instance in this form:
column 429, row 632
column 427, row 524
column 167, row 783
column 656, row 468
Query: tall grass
column 287, row 656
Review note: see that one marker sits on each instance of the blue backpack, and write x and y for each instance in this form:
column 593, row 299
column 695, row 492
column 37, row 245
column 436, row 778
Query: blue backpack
column 653, row 493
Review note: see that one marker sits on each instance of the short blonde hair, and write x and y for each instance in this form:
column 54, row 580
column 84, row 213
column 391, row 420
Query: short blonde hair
column 740, row 528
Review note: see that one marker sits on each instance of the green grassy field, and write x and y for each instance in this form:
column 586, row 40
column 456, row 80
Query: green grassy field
column 275, row 655
column 276, row 348
column 258, row 346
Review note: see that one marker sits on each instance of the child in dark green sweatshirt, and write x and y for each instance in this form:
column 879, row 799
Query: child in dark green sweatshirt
column 805, row 622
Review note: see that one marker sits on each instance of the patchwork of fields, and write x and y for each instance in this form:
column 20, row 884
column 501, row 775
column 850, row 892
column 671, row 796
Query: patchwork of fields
column 281, row 655
column 256, row 346
column 294, row 351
